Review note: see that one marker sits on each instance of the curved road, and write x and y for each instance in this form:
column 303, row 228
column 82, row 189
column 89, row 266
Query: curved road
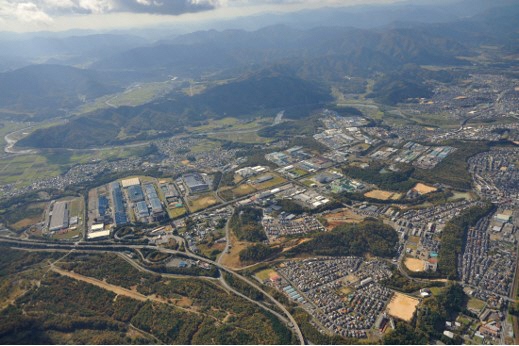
column 114, row 247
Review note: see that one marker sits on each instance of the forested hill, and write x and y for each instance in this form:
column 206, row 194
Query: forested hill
column 259, row 94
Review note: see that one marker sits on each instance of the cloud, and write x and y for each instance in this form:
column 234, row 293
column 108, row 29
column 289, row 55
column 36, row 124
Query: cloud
column 44, row 10
column 23, row 11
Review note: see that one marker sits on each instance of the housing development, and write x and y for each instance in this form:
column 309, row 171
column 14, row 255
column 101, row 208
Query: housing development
column 308, row 182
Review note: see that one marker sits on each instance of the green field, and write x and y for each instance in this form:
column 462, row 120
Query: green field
column 176, row 212
column 277, row 180
column 240, row 137
column 137, row 95
column 476, row 304
column 22, row 170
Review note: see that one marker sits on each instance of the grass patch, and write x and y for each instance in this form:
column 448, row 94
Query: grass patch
column 276, row 180
column 202, row 202
column 176, row 212
column 476, row 304
column 240, row 137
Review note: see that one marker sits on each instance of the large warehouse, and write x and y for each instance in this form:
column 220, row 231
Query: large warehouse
column 195, row 183
column 59, row 218
column 119, row 212
column 135, row 193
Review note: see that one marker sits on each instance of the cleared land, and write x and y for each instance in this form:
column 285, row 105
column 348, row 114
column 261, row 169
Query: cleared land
column 202, row 203
column 342, row 217
column 414, row 264
column 276, row 180
column 476, row 304
column 176, row 212
column 121, row 290
column 232, row 259
column 266, row 274
column 424, row 189
column 383, row 195
column 243, row 190
column 402, row 306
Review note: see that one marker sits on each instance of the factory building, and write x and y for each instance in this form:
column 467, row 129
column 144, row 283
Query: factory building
column 59, row 218
column 142, row 209
column 195, row 183
column 156, row 206
column 135, row 193
column 119, row 212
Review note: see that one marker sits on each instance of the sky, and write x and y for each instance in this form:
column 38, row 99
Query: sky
column 59, row 15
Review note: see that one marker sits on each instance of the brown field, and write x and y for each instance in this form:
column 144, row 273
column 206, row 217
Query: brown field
column 383, row 195
column 423, row 189
column 243, row 190
column 232, row 259
column 202, row 203
column 344, row 216
column 24, row 223
column 402, row 306
column 414, row 264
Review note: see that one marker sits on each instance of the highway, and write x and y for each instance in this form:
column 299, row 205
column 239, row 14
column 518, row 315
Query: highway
column 111, row 248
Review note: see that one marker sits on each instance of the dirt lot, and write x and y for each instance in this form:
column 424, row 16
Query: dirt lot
column 423, row 189
column 414, row 264
column 232, row 259
column 402, row 306
column 383, row 195
column 202, row 203
column 342, row 217
column 243, row 190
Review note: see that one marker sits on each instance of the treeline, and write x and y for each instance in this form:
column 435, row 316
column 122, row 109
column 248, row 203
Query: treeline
column 454, row 237
column 91, row 315
column 289, row 129
column 429, row 322
column 258, row 252
column 368, row 237
column 401, row 283
column 452, row 170
column 291, row 207
column 396, row 181
column 246, row 224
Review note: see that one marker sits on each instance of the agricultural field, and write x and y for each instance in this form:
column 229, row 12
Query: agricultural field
column 248, row 136
column 24, row 169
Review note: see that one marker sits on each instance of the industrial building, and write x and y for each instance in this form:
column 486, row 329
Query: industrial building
column 142, row 209
column 135, row 193
column 59, row 218
column 156, row 206
column 195, row 183
column 150, row 191
column 119, row 212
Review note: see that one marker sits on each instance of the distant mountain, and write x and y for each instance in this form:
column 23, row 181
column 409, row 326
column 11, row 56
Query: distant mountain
column 264, row 93
column 71, row 50
column 50, row 89
column 353, row 51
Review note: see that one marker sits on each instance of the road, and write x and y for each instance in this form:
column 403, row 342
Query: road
column 111, row 248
